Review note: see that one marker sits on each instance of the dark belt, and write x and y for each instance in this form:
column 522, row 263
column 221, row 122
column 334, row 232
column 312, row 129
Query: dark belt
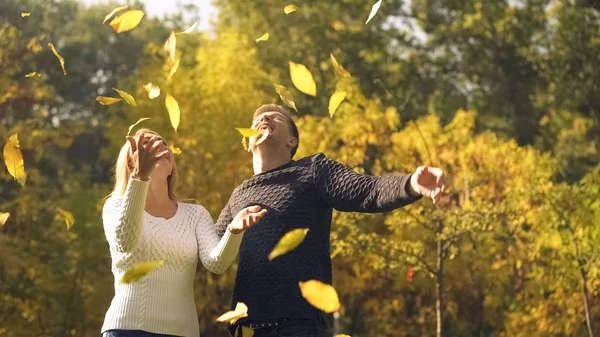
column 266, row 324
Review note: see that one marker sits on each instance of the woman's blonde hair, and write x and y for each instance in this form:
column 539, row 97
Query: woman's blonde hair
column 123, row 171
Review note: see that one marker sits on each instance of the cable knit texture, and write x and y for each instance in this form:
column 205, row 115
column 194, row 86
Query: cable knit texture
column 300, row 194
column 163, row 301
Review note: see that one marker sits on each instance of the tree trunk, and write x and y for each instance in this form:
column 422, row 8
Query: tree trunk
column 586, row 302
column 439, row 287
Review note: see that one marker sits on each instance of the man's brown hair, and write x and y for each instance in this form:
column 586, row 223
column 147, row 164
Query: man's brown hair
column 276, row 107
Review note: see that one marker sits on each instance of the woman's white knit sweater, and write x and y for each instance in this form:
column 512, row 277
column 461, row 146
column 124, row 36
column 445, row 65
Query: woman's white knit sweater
column 163, row 301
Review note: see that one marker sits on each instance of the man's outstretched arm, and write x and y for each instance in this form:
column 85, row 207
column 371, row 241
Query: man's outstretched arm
column 346, row 190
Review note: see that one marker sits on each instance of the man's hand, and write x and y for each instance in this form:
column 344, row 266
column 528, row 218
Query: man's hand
column 429, row 182
column 246, row 218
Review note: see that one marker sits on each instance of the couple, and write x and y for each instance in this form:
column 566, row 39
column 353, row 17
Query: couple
column 143, row 221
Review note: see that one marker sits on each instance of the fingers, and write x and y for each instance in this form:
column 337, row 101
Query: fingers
column 132, row 143
column 140, row 141
column 161, row 155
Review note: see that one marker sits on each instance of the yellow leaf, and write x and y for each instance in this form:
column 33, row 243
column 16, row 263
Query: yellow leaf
column 290, row 8
column 25, row 14
column 114, row 11
column 338, row 67
column 264, row 37
column 338, row 25
column 288, row 242
column 152, row 90
column 174, row 69
column 335, row 100
column 173, row 109
column 175, row 149
column 286, row 96
column 13, row 158
column 3, row 218
column 247, row 331
column 240, row 311
column 107, row 100
column 136, row 123
column 262, row 138
column 342, row 335
column 33, row 74
column 320, row 295
column 244, row 143
column 246, row 132
column 126, row 96
column 191, row 29
column 127, row 21
column 374, row 10
column 302, row 79
column 60, row 58
column 140, row 270
column 170, row 46
column 66, row 216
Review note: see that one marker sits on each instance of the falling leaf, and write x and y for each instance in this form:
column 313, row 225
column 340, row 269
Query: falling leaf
column 25, row 14
column 66, row 216
column 13, row 158
column 246, row 132
column 410, row 274
column 174, row 69
column 170, row 46
column 114, row 11
column 264, row 37
column 290, row 8
column 140, row 270
column 175, row 149
column 374, row 10
column 173, row 109
column 302, row 79
column 152, row 90
column 335, row 100
column 286, row 96
column 60, row 58
column 320, row 295
column 288, row 242
column 240, row 311
column 247, row 331
column 33, row 74
column 262, row 138
column 136, row 123
column 107, row 100
column 338, row 67
column 3, row 218
column 244, row 144
column 342, row 335
column 126, row 96
column 191, row 29
column 127, row 21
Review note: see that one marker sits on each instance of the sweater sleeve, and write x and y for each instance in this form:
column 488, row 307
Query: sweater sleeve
column 348, row 191
column 224, row 220
column 216, row 253
column 122, row 216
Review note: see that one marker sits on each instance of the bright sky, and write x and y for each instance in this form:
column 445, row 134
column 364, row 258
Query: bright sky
column 160, row 7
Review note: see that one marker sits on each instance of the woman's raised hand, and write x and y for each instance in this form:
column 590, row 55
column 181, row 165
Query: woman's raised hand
column 146, row 153
column 246, row 218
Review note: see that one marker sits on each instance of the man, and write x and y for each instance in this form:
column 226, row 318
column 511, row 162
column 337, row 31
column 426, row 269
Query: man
column 301, row 194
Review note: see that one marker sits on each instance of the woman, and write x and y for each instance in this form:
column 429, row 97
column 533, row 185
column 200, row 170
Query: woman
column 144, row 222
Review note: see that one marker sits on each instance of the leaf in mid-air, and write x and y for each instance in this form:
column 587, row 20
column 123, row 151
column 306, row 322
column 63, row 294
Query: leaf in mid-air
column 320, row 295
column 3, row 218
column 113, row 12
column 288, row 242
column 152, row 90
column 60, row 58
column 66, row 216
column 286, row 96
column 127, row 21
column 338, row 67
column 302, row 79
column 13, row 158
column 140, row 270
column 126, row 96
column 374, row 10
column 289, row 9
column 104, row 100
column 264, row 37
column 335, row 100
column 240, row 311
column 173, row 110
column 136, row 123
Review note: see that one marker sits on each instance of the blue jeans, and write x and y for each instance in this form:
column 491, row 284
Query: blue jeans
column 132, row 333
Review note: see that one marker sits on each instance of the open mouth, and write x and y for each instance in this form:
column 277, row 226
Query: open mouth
column 265, row 126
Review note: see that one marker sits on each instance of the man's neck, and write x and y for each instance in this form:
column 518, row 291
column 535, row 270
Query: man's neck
column 263, row 162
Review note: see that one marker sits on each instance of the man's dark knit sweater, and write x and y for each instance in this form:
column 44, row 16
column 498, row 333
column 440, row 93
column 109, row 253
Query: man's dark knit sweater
column 300, row 194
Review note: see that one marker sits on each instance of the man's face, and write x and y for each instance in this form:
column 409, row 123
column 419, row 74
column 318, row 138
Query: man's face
column 273, row 122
